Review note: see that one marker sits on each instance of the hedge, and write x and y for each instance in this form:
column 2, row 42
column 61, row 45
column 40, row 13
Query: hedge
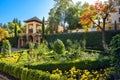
column 22, row 73
column 86, row 64
column 31, row 72
column 93, row 39
column 13, row 41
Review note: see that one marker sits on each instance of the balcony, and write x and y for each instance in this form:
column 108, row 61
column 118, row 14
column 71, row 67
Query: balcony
column 30, row 31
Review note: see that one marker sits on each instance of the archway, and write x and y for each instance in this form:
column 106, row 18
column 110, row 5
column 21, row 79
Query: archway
column 30, row 38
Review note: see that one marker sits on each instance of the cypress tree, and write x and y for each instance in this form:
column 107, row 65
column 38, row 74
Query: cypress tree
column 15, row 31
column 19, row 23
column 43, row 27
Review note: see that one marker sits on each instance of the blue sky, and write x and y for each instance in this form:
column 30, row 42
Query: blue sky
column 24, row 9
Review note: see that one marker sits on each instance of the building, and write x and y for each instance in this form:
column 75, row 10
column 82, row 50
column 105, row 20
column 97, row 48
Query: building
column 33, row 32
column 115, row 17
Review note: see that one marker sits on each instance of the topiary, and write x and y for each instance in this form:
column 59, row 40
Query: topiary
column 31, row 45
column 115, row 45
column 115, row 52
column 59, row 46
column 68, row 44
column 6, row 48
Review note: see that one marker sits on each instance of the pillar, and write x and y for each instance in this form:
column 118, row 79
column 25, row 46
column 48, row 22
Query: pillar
column 27, row 28
column 34, row 27
column 18, row 42
column 22, row 42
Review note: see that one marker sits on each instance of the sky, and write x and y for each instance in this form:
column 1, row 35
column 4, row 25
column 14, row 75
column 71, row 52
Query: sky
column 26, row 9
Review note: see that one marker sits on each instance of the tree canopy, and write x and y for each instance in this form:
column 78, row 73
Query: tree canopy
column 97, row 14
column 3, row 33
column 65, row 12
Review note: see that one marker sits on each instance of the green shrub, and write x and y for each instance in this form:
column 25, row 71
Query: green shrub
column 42, row 49
column 93, row 39
column 18, row 71
column 68, row 44
column 37, row 75
column 59, row 46
column 115, row 53
column 13, row 41
column 83, row 44
column 6, row 48
column 55, row 77
column 31, row 45
column 2, row 64
column 23, row 73
column 86, row 64
column 115, row 45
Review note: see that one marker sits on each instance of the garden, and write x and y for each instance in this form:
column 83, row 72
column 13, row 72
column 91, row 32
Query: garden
column 88, row 55
column 56, row 61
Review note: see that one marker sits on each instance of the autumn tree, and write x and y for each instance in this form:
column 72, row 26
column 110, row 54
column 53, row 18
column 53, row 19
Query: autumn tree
column 97, row 14
column 3, row 33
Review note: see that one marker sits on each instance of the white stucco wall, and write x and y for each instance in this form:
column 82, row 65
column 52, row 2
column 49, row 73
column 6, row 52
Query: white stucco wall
column 115, row 16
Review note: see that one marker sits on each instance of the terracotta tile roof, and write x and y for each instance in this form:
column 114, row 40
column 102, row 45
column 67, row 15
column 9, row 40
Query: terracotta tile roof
column 33, row 19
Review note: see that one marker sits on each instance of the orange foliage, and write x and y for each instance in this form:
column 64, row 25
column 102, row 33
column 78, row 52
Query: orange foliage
column 91, row 11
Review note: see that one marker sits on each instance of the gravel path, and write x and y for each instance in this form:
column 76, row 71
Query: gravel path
column 16, row 49
column 5, row 76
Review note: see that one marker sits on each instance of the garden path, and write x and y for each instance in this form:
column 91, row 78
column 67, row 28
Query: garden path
column 2, row 77
column 17, row 49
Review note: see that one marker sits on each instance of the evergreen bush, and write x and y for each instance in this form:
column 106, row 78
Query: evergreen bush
column 23, row 73
column 93, row 40
column 64, row 66
column 59, row 47
column 115, row 52
column 6, row 48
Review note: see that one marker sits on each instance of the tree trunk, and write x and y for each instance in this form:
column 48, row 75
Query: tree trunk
column 105, row 46
column 115, row 25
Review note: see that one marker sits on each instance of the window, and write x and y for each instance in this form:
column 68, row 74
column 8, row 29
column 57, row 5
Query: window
column 119, row 10
column 119, row 19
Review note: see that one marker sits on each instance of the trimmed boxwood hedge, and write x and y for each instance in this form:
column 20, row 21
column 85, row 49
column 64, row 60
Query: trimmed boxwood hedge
column 93, row 39
column 22, row 73
column 86, row 64
column 38, row 71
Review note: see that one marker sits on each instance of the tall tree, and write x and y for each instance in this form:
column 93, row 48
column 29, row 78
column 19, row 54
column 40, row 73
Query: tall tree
column 73, row 15
column 54, row 18
column 16, row 31
column 58, row 13
column 15, row 24
column 94, row 14
column 43, row 27
column 62, row 6
column 0, row 24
